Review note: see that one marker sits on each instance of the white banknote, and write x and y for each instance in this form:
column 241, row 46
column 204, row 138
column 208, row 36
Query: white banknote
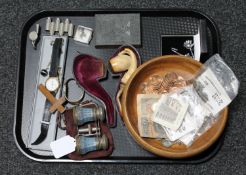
column 170, row 111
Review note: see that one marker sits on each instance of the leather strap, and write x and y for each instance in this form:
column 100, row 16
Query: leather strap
column 55, row 57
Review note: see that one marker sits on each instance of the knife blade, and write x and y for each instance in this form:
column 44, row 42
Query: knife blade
column 44, row 124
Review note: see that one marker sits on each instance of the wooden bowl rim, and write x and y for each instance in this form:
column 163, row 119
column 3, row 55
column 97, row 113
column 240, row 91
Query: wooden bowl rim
column 148, row 146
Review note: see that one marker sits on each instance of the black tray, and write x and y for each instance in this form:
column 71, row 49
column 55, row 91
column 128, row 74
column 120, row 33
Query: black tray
column 154, row 23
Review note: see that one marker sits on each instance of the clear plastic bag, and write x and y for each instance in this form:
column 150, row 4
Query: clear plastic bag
column 193, row 118
column 212, row 90
column 228, row 86
column 223, row 73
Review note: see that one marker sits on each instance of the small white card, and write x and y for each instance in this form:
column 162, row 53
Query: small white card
column 170, row 112
column 63, row 146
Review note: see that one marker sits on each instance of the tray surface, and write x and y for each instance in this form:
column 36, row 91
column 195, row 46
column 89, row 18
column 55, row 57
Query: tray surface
column 153, row 25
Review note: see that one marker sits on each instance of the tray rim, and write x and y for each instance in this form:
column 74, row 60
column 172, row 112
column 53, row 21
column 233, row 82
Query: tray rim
column 175, row 12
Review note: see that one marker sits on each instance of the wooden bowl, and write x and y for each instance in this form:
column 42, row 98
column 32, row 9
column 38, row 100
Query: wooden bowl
column 185, row 67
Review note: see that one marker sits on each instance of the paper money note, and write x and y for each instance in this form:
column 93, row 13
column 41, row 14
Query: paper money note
column 170, row 111
column 186, row 127
column 146, row 127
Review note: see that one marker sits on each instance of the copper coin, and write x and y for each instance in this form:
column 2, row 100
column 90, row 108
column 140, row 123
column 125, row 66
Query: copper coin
column 165, row 83
column 149, row 89
column 180, row 83
column 156, row 92
column 152, row 89
column 180, row 78
column 143, row 88
column 155, row 81
column 173, row 89
column 171, row 76
column 163, row 90
column 157, row 84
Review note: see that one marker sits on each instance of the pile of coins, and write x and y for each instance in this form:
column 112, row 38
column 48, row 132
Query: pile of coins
column 157, row 84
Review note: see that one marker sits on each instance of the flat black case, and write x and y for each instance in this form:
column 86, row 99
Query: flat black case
column 154, row 23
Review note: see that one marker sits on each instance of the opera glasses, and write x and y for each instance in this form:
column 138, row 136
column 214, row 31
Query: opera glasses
column 83, row 115
column 89, row 136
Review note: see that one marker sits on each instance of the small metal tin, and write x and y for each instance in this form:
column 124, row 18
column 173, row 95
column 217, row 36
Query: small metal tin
column 83, row 34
